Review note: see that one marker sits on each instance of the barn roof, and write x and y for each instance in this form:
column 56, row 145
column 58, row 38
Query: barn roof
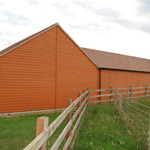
column 117, row 61
column 10, row 48
column 101, row 59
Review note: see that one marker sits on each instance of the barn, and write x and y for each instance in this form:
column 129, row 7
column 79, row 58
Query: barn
column 43, row 70
column 118, row 70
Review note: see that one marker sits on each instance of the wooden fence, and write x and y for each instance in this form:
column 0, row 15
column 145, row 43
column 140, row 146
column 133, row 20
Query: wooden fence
column 81, row 102
column 138, row 112
column 133, row 92
column 40, row 141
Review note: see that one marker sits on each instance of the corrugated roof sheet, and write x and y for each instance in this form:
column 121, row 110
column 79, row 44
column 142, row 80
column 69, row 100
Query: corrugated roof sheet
column 117, row 61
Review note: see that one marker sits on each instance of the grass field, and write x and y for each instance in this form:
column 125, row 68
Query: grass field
column 137, row 118
column 102, row 129
column 17, row 132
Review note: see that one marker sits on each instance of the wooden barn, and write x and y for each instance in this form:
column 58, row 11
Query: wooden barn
column 45, row 69
column 118, row 70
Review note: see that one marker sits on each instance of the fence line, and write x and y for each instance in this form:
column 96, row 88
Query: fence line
column 81, row 105
column 43, row 137
column 126, row 88
column 130, row 92
column 140, row 115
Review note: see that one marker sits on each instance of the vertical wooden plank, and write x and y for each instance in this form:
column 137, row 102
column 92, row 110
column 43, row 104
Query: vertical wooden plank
column 69, row 101
column 120, row 103
column 145, row 90
column 116, row 98
column 130, row 95
column 88, row 94
column 100, row 72
column 78, row 105
column 149, row 135
column 42, row 124
column 84, row 96
column 127, row 97
column 111, row 97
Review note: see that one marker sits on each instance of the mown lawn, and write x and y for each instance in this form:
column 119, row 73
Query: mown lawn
column 17, row 132
column 102, row 129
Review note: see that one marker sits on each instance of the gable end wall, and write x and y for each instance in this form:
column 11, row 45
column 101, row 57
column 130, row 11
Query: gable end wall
column 44, row 72
column 27, row 78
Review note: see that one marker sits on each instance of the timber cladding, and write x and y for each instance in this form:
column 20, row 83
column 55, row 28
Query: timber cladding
column 45, row 69
column 75, row 71
column 122, row 78
column 44, row 72
column 28, row 75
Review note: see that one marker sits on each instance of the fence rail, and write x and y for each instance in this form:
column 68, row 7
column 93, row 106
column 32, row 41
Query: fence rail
column 139, row 114
column 113, row 91
column 125, row 104
column 39, row 141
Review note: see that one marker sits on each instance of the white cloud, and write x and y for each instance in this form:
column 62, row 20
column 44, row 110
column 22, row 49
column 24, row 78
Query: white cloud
column 115, row 26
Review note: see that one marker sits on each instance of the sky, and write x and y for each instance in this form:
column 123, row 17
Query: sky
column 118, row 26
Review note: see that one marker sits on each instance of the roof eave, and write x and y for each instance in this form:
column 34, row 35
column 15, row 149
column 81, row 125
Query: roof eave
column 124, row 69
column 7, row 51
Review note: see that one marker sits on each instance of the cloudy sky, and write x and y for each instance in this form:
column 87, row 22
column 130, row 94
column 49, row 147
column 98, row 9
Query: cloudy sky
column 119, row 26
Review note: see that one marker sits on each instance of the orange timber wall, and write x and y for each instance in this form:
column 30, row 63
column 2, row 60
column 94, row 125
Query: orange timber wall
column 75, row 71
column 44, row 72
column 119, row 79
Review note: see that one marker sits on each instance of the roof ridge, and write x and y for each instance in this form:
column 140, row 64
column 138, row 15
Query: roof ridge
column 24, row 40
column 115, row 53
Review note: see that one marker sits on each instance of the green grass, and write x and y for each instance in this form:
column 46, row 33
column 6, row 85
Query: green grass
column 144, row 101
column 102, row 129
column 138, row 121
column 18, row 132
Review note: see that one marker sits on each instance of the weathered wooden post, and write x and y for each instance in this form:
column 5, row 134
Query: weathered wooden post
column 42, row 124
column 69, row 101
column 130, row 95
column 120, row 103
column 84, row 96
column 88, row 94
column 78, row 105
column 116, row 98
column 111, row 97
column 145, row 90
column 127, row 97
column 149, row 134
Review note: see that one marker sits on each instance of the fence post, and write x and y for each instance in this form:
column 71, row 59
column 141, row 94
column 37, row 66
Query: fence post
column 116, row 96
column 111, row 97
column 88, row 94
column 120, row 103
column 84, row 96
column 127, row 97
column 69, row 101
column 78, row 105
column 130, row 93
column 149, row 135
column 145, row 90
column 42, row 124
